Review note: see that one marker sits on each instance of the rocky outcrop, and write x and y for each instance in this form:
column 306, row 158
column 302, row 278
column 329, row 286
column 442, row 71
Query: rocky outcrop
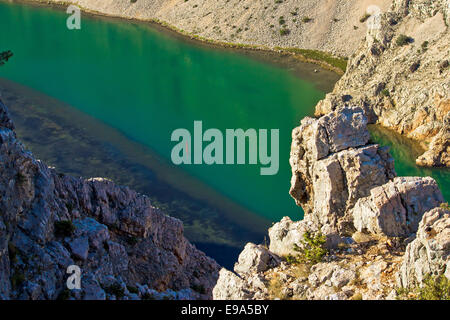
column 400, row 76
column 349, row 192
column 429, row 252
column 125, row 247
column 333, row 166
column 396, row 208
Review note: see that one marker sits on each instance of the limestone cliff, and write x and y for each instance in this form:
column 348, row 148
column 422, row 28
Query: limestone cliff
column 381, row 232
column 400, row 75
column 126, row 248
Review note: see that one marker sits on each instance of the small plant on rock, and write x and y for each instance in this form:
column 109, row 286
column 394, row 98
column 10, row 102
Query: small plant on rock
column 432, row 288
column 312, row 249
column 284, row 31
column 364, row 18
column 403, row 40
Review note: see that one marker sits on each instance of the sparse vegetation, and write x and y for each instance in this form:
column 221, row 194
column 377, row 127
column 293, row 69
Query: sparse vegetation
column 433, row 288
column 64, row 228
column 306, row 19
column 281, row 20
column 284, row 31
column 320, row 56
column 275, row 288
column 312, row 249
column 424, row 46
column 445, row 206
column 385, row 92
column 403, row 40
column 364, row 17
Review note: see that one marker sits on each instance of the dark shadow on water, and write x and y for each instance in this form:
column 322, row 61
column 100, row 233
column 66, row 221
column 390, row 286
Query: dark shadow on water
column 67, row 141
column 224, row 255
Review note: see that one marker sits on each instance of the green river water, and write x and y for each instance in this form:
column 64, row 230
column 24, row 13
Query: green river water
column 104, row 100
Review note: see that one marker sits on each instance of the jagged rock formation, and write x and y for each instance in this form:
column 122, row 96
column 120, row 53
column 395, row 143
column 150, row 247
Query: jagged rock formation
column 311, row 24
column 429, row 253
column 124, row 246
column 349, row 193
column 396, row 208
column 333, row 166
column 400, row 76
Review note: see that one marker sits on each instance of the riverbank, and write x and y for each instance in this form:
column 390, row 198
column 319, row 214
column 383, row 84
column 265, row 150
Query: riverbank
column 326, row 60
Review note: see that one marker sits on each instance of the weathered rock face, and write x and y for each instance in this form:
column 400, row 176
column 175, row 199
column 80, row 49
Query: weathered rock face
column 429, row 252
column 404, row 84
column 49, row 221
column 396, row 208
column 255, row 258
column 345, row 184
column 333, row 166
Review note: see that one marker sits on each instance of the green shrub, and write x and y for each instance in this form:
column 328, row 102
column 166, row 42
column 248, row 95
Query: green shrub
column 64, row 228
column 312, row 249
column 337, row 62
column 284, row 31
column 424, row 45
column 306, row 19
column 281, row 20
column 385, row 92
column 364, row 18
column 433, row 288
column 403, row 40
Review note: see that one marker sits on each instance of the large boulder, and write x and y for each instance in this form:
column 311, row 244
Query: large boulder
column 429, row 252
column 255, row 258
column 396, row 208
column 285, row 235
